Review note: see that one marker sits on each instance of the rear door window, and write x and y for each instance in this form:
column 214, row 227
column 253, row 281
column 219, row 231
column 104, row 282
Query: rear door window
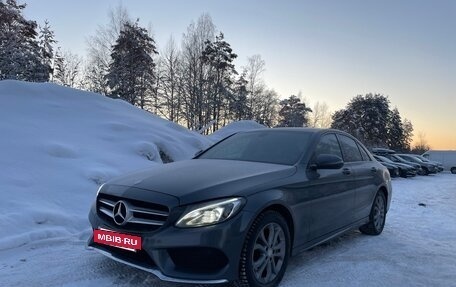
column 364, row 153
column 350, row 149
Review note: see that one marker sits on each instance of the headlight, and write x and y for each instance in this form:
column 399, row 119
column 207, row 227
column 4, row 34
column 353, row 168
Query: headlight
column 211, row 212
column 98, row 191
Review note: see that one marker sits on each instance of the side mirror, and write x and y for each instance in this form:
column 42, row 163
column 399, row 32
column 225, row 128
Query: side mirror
column 327, row 161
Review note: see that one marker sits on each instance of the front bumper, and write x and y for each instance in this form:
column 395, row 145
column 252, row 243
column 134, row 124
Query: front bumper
column 433, row 169
column 408, row 172
column 203, row 255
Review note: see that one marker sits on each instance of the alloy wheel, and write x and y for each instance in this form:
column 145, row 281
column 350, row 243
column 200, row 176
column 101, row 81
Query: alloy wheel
column 269, row 253
column 379, row 213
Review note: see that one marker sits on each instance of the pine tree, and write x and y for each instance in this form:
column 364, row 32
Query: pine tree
column 407, row 128
column 365, row 117
column 219, row 56
column 239, row 108
column 20, row 57
column 293, row 113
column 46, row 42
column 100, row 48
column 131, row 73
column 370, row 119
column 395, row 131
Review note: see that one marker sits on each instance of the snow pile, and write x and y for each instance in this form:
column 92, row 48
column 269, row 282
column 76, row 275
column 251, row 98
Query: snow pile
column 58, row 144
column 234, row 128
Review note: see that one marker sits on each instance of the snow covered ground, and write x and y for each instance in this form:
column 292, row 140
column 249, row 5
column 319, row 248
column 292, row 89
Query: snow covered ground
column 417, row 248
column 57, row 145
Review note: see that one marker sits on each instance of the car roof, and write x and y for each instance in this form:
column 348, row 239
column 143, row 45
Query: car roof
column 296, row 129
column 382, row 150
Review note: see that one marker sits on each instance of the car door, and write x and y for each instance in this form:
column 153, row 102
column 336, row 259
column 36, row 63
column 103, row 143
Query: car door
column 367, row 173
column 331, row 191
column 353, row 156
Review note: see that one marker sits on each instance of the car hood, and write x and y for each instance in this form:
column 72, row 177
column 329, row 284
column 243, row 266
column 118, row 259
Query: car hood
column 204, row 179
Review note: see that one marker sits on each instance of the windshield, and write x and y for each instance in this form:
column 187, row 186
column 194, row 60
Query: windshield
column 279, row 147
column 411, row 158
column 396, row 158
column 422, row 158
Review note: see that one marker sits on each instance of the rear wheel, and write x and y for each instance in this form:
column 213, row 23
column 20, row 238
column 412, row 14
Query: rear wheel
column 453, row 170
column 377, row 216
column 266, row 251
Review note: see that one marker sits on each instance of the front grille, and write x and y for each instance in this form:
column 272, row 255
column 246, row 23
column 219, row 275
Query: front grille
column 144, row 216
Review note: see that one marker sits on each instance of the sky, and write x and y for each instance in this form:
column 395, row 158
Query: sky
column 330, row 51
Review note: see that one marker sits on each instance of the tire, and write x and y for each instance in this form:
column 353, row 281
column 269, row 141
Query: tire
column 257, row 251
column 426, row 171
column 377, row 216
column 453, row 170
column 396, row 173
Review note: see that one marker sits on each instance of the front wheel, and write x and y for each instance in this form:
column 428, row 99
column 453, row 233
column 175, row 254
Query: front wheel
column 266, row 251
column 453, row 170
column 377, row 216
column 426, row 171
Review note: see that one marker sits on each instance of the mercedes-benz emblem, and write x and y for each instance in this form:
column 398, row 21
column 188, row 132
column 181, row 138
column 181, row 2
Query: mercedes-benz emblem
column 121, row 213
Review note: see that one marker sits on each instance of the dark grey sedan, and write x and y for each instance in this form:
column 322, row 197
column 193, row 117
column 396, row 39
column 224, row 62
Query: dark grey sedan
column 241, row 208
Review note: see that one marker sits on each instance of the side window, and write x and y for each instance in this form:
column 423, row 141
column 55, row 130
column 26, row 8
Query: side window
column 328, row 145
column 349, row 149
column 364, row 153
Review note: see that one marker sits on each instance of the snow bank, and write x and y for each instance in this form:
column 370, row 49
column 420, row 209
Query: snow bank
column 58, row 144
column 234, row 128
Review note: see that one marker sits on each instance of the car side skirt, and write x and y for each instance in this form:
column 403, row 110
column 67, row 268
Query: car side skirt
column 327, row 237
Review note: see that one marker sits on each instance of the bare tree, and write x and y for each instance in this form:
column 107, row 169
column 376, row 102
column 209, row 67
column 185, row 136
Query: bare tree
column 169, row 67
column 267, row 107
column 320, row 117
column 262, row 102
column 195, row 73
column 67, row 69
column 254, row 75
column 421, row 145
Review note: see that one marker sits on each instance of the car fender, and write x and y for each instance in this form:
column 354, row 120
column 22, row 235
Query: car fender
column 271, row 199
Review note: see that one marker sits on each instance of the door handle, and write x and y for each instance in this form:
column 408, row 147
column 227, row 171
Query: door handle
column 346, row 171
column 374, row 169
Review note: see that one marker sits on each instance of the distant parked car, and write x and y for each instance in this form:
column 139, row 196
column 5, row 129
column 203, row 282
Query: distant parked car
column 392, row 168
column 446, row 157
column 405, row 170
column 382, row 151
column 439, row 165
column 427, row 167
column 397, row 159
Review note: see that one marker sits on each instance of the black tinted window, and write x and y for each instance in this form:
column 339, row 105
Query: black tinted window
column 349, row 149
column 280, row 147
column 364, row 153
column 328, row 145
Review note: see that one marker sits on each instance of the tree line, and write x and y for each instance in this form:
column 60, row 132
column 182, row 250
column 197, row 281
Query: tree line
column 194, row 83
